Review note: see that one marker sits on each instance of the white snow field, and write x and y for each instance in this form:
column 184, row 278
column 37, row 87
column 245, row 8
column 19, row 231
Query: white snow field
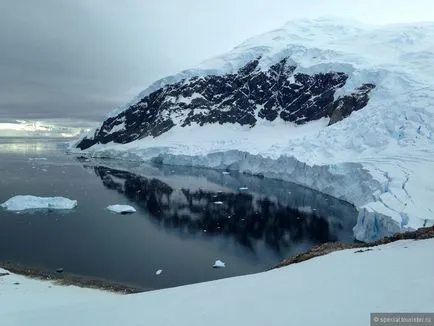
column 20, row 294
column 28, row 202
column 341, row 288
column 121, row 209
column 380, row 158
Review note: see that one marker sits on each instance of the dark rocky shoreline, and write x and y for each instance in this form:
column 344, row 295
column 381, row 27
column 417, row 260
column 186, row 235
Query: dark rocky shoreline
column 67, row 279
column 329, row 247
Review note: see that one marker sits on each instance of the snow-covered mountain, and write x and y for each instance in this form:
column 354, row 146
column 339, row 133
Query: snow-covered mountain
column 338, row 106
column 244, row 97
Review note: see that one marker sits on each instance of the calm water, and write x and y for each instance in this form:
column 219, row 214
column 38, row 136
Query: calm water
column 178, row 227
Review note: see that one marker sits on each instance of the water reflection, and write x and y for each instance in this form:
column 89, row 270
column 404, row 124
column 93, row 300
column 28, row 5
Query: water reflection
column 30, row 145
column 268, row 212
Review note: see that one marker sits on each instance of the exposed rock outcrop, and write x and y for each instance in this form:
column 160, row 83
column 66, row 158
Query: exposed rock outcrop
column 243, row 98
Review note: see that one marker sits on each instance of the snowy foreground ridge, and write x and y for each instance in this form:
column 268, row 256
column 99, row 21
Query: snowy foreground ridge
column 380, row 157
column 396, row 277
column 28, row 202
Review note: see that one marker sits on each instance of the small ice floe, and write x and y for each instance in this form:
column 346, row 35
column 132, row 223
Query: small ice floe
column 226, row 172
column 218, row 202
column 121, row 209
column 219, row 264
column 44, row 170
column 28, row 202
column 243, row 188
column 159, row 272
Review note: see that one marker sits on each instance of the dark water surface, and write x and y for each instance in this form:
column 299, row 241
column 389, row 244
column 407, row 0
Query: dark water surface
column 178, row 227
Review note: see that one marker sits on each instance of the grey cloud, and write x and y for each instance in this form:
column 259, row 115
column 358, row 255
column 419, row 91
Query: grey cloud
column 59, row 59
column 79, row 59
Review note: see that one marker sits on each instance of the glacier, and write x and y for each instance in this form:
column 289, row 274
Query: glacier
column 379, row 158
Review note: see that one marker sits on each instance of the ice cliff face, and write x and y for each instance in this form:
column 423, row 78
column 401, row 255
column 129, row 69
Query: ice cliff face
column 343, row 108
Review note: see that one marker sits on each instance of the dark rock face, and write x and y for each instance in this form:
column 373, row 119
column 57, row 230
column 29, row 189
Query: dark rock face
column 242, row 98
column 343, row 106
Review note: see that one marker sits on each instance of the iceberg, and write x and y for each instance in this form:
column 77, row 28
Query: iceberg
column 219, row 264
column 121, row 209
column 28, row 202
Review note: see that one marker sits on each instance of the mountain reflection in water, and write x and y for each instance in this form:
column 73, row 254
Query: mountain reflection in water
column 245, row 215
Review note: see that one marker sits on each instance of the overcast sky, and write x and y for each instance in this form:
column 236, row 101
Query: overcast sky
column 79, row 59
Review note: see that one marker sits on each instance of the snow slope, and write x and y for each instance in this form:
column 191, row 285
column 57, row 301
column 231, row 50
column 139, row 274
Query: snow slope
column 379, row 158
column 341, row 288
column 19, row 294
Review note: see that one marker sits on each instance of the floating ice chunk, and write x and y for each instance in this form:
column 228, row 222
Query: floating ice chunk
column 219, row 264
column 159, row 272
column 28, row 202
column 225, row 172
column 218, row 202
column 243, row 188
column 121, row 209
